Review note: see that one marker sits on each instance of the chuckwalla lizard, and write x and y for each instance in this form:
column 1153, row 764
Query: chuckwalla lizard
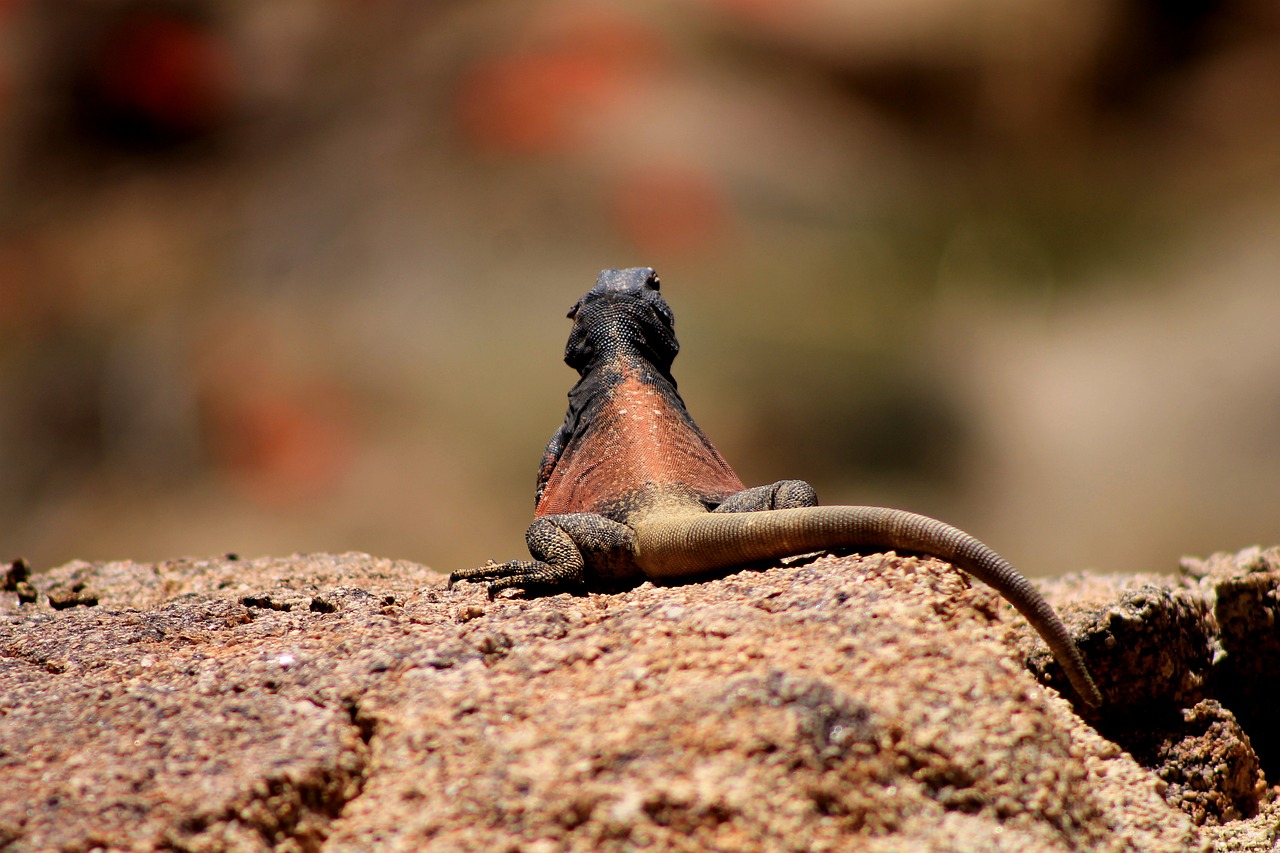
column 630, row 487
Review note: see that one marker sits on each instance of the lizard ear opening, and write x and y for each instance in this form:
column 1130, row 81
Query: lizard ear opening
column 579, row 350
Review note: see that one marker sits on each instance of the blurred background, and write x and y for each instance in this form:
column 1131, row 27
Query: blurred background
column 291, row 275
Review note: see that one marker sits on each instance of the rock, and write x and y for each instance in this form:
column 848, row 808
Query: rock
column 75, row 595
column 1243, row 591
column 1260, row 834
column 17, row 578
column 351, row 703
column 1209, row 632
column 1207, row 760
column 18, row 572
column 1148, row 624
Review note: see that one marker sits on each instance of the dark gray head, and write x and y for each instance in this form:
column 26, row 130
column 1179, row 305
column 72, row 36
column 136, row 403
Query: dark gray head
column 622, row 315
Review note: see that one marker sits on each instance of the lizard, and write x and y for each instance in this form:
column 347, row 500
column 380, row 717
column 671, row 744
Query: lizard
column 630, row 488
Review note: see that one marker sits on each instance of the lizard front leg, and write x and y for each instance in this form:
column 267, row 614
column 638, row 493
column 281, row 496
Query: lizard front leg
column 784, row 494
column 565, row 549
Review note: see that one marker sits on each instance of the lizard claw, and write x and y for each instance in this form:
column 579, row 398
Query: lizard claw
column 497, row 576
column 478, row 573
column 525, row 575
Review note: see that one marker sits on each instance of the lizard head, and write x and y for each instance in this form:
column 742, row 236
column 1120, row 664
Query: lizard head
column 622, row 315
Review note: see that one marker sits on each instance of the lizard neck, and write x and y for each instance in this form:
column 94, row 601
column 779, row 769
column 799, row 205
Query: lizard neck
column 630, row 443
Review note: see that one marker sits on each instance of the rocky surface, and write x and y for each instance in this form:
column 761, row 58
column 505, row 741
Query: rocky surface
column 879, row 703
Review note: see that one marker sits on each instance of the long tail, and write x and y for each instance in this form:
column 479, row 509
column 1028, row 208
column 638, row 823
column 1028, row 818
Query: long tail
column 685, row 546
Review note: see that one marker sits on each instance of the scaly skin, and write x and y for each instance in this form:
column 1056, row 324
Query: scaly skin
column 629, row 486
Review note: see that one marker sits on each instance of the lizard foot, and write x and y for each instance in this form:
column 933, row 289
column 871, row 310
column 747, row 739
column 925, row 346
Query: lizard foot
column 525, row 575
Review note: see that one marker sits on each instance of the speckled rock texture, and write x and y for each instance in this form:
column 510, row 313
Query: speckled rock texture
column 873, row 703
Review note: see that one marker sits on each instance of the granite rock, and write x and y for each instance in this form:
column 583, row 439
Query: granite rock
column 321, row 702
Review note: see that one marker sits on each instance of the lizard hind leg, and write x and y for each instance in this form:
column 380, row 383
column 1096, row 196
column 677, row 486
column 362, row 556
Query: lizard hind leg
column 784, row 494
column 557, row 564
column 562, row 546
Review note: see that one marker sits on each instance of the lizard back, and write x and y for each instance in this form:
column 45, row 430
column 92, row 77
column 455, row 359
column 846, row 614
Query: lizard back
column 627, row 432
